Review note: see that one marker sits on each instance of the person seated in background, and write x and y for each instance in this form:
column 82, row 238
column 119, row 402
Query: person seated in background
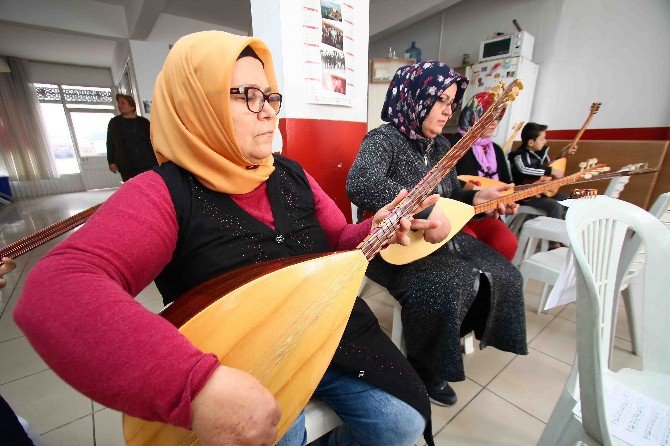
column 485, row 159
column 463, row 286
column 219, row 201
column 530, row 163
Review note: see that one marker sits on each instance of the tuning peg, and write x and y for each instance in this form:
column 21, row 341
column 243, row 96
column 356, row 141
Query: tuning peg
column 582, row 165
column 587, row 175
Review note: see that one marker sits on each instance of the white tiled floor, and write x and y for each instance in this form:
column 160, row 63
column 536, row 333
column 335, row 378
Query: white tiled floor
column 505, row 400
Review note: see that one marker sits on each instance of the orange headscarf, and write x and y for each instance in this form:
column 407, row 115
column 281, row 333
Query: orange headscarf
column 190, row 117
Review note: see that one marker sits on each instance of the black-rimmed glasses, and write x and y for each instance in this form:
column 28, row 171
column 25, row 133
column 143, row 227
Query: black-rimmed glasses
column 256, row 98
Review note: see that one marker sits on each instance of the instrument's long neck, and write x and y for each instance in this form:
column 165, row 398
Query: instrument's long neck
column 510, row 141
column 24, row 245
column 577, row 137
column 527, row 192
column 386, row 230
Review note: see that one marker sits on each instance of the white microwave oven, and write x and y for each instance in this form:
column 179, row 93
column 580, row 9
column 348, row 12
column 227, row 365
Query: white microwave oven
column 507, row 45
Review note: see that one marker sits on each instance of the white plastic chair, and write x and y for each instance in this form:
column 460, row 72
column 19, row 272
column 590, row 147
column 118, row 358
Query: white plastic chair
column 631, row 284
column 542, row 229
column 319, row 419
column 598, row 237
column 517, row 221
column 547, row 266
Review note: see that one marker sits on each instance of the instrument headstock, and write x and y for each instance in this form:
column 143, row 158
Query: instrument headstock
column 496, row 90
column 519, row 126
column 584, row 193
column 589, row 168
column 595, row 107
column 504, row 96
column 630, row 169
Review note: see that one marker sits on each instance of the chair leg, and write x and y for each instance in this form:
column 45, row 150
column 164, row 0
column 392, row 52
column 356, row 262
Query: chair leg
column 563, row 428
column 543, row 299
column 545, row 245
column 633, row 298
column 396, row 329
column 469, row 343
column 364, row 285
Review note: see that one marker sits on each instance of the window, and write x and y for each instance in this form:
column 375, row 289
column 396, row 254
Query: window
column 76, row 120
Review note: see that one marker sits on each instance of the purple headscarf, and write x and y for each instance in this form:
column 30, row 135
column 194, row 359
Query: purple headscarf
column 413, row 92
column 482, row 148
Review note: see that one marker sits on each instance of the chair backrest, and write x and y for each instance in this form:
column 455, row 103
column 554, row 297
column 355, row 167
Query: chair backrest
column 597, row 236
column 632, row 257
column 616, row 186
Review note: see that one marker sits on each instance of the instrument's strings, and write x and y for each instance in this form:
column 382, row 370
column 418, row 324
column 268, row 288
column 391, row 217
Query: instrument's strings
column 284, row 343
column 427, row 184
column 516, row 196
column 44, row 235
column 289, row 339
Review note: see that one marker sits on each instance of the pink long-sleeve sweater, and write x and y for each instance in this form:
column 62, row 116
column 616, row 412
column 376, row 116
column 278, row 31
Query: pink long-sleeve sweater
column 78, row 310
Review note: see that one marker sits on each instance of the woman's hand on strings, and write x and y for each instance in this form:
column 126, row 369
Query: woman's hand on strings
column 234, row 409
column 491, row 193
column 6, row 266
column 406, row 224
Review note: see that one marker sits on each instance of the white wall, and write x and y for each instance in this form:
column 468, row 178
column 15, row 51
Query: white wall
column 148, row 59
column 119, row 58
column 50, row 73
column 425, row 33
column 148, row 56
column 466, row 24
column 285, row 42
column 612, row 51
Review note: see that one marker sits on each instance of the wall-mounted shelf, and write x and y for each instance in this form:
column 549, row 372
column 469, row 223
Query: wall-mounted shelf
column 382, row 70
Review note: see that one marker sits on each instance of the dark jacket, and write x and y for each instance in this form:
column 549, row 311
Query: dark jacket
column 118, row 154
column 528, row 166
column 468, row 165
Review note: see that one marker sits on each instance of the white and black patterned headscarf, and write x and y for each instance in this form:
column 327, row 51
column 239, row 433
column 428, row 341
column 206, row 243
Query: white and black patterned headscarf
column 413, row 92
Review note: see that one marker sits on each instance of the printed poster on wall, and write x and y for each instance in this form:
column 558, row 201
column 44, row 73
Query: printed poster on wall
column 328, row 51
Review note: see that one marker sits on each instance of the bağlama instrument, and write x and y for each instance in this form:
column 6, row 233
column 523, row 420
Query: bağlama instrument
column 460, row 213
column 20, row 247
column 282, row 320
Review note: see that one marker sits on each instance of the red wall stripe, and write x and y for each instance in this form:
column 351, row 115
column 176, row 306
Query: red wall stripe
column 326, row 150
column 620, row 134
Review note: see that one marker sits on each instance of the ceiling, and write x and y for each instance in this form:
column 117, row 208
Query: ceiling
column 86, row 32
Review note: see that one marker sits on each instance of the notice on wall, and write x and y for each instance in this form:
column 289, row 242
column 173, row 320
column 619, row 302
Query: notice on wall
column 328, row 51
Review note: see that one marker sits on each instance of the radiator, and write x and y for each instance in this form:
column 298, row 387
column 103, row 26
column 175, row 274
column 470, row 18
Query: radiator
column 38, row 188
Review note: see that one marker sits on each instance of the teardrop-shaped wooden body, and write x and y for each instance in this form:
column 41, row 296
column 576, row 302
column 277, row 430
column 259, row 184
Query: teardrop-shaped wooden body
column 458, row 213
column 484, row 183
column 282, row 327
column 558, row 167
